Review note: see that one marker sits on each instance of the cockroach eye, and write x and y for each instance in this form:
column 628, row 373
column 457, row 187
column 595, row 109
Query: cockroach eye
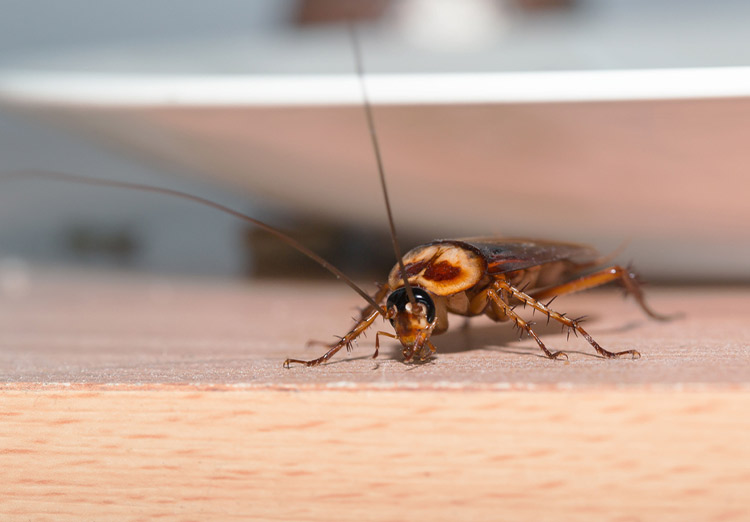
column 399, row 298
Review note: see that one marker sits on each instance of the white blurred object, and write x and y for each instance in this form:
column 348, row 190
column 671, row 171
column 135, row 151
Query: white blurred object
column 133, row 90
column 452, row 25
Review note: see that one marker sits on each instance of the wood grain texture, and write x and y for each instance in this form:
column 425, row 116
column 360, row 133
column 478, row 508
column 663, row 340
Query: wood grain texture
column 265, row 455
column 137, row 398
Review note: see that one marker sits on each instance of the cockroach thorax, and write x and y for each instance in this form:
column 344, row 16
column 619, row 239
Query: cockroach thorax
column 442, row 268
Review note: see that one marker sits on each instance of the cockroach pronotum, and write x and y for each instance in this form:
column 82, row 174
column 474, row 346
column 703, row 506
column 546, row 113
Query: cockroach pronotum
column 469, row 277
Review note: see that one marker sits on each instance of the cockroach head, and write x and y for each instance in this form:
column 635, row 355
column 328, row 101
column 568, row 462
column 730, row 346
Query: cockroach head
column 408, row 318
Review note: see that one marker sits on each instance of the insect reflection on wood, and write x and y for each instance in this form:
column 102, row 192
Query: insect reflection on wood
column 468, row 277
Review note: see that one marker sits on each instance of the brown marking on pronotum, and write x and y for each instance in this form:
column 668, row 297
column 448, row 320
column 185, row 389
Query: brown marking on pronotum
column 441, row 271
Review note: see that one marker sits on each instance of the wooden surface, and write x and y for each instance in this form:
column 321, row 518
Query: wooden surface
column 141, row 398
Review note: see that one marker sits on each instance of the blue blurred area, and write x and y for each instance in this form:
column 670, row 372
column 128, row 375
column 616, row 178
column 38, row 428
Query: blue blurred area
column 51, row 222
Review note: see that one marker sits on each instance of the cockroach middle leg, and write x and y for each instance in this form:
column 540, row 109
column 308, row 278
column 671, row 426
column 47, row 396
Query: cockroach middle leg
column 602, row 277
column 521, row 323
column 347, row 340
column 500, row 286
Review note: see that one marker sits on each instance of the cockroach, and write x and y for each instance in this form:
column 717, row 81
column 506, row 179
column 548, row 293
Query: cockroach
column 484, row 276
column 470, row 277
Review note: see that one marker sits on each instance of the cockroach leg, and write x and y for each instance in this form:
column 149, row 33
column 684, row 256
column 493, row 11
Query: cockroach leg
column 524, row 325
column 421, row 348
column 347, row 340
column 426, row 354
column 500, row 285
column 602, row 277
column 422, row 352
column 377, row 341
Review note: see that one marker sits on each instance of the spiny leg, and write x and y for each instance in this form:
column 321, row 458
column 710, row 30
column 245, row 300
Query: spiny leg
column 602, row 277
column 573, row 324
column 520, row 323
column 347, row 340
column 378, row 297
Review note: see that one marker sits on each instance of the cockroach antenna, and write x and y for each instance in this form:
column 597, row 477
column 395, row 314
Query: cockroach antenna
column 85, row 180
column 358, row 62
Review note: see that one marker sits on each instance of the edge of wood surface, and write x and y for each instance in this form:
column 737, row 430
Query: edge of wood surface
column 355, row 386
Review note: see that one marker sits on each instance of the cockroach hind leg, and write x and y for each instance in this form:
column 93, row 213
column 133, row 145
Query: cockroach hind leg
column 632, row 285
column 625, row 275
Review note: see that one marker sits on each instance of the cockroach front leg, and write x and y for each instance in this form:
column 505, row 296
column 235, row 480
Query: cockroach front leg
column 345, row 341
column 503, row 286
column 426, row 351
column 422, row 347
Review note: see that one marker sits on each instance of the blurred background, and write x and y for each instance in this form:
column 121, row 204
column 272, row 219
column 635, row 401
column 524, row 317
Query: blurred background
column 589, row 121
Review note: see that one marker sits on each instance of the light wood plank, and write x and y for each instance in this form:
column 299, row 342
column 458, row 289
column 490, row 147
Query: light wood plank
column 188, row 454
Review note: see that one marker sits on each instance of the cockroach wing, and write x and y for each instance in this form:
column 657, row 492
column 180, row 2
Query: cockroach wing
column 506, row 255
